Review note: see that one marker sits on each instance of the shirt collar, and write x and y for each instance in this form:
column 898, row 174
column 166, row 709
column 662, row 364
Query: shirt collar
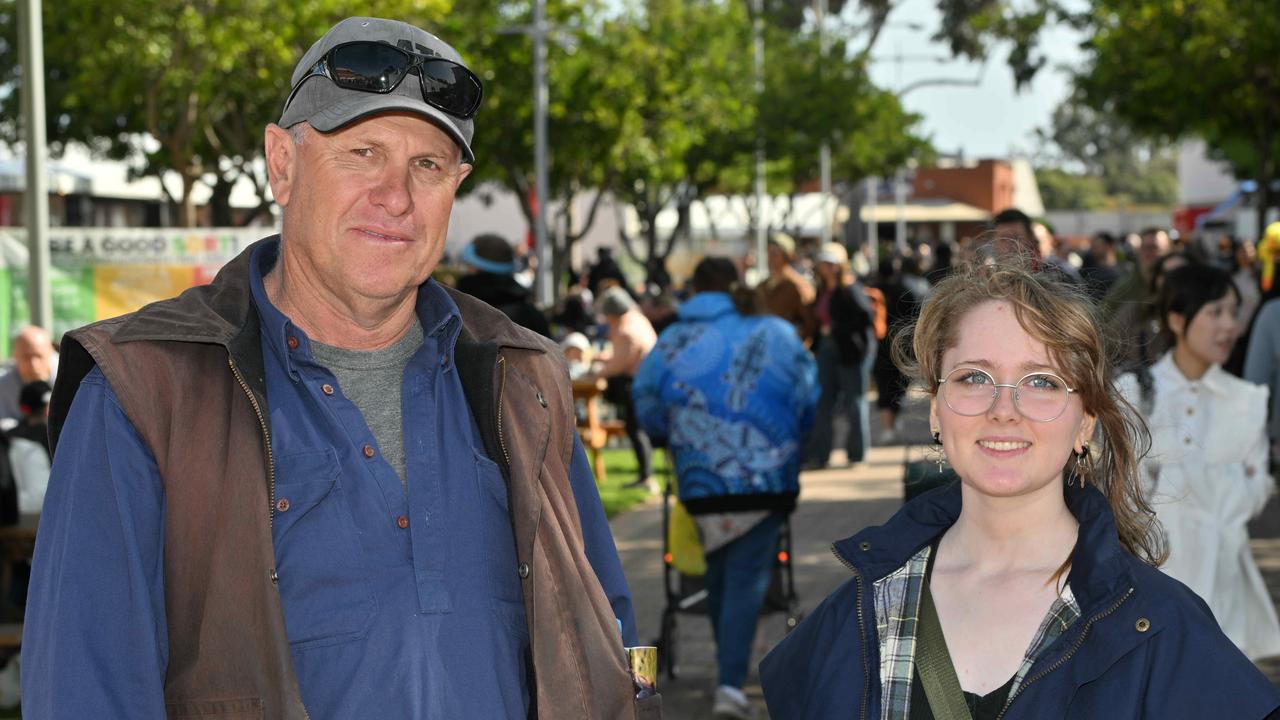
column 436, row 310
column 1213, row 380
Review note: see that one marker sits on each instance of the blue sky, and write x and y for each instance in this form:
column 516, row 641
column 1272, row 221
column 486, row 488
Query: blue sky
column 990, row 119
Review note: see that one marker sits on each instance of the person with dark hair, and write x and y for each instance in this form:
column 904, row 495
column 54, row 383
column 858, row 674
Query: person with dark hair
column 1128, row 311
column 493, row 280
column 604, row 268
column 1207, row 472
column 326, row 485
column 901, row 306
column 1014, row 235
column 1029, row 588
column 733, row 395
column 1100, row 270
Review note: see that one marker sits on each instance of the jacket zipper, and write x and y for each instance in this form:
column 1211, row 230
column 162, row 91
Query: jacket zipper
column 1062, row 660
column 862, row 630
column 502, row 385
column 271, row 465
column 266, row 439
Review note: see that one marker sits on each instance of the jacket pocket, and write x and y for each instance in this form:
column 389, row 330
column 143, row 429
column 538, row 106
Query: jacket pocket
column 324, row 582
column 229, row 709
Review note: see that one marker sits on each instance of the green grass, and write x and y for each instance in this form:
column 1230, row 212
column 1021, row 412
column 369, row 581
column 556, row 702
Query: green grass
column 621, row 469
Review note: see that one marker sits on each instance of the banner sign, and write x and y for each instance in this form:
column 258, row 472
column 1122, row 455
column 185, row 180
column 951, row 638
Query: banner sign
column 98, row 273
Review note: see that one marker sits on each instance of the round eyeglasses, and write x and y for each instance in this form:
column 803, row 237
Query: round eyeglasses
column 1039, row 396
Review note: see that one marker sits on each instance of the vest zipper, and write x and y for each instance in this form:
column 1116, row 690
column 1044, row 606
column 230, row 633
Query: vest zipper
column 271, row 463
column 502, row 385
column 862, row 630
column 266, row 439
column 1062, row 660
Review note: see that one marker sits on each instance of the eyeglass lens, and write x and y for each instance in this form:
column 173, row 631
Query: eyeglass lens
column 1039, row 396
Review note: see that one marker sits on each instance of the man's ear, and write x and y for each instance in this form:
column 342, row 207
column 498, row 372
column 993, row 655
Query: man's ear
column 463, row 171
column 281, row 156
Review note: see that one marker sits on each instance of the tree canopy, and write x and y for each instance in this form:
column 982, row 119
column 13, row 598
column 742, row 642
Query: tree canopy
column 1209, row 68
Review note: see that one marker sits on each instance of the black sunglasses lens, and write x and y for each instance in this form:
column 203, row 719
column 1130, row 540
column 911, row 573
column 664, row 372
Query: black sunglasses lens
column 368, row 66
column 450, row 87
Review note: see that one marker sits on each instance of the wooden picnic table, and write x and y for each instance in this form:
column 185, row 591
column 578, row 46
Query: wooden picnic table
column 594, row 431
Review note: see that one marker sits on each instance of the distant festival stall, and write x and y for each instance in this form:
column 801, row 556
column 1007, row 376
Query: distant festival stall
column 98, row 273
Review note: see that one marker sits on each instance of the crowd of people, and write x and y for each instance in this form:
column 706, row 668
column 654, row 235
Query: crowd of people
column 326, row 485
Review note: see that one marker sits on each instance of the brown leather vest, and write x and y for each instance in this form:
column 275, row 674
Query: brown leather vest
column 188, row 374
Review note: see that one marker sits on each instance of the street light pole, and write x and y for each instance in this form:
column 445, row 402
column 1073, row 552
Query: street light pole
column 542, row 251
column 757, row 28
column 35, row 199
column 824, row 153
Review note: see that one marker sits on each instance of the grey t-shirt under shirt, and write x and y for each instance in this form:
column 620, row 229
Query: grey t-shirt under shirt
column 372, row 381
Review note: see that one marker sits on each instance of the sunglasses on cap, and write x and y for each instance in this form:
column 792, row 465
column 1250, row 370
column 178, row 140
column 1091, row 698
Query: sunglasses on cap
column 377, row 67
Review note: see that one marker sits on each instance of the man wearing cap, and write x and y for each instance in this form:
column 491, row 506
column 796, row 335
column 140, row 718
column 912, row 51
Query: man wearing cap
column 786, row 293
column 324, row 486
column 493, row 280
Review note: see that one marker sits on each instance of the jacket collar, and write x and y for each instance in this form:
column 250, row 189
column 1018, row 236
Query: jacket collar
column 706, row 306
column 1099, row 569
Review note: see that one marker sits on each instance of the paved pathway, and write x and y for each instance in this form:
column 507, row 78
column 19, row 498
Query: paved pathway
column 834, row 504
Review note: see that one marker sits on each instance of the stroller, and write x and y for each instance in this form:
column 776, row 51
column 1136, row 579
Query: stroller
column 687, row 594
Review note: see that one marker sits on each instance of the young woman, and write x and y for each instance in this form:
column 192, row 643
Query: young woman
column 1206, row 474
column 1028, row 589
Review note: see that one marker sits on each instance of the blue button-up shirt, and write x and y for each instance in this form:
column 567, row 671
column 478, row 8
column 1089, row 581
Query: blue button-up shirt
column 397, row 604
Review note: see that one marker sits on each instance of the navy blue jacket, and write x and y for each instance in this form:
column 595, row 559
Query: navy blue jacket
column 1109, row 664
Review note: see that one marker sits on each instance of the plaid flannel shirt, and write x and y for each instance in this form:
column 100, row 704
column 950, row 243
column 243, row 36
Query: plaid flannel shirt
column 897, row 603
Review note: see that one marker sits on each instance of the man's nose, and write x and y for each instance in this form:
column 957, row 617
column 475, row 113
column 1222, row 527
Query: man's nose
column 393, row 192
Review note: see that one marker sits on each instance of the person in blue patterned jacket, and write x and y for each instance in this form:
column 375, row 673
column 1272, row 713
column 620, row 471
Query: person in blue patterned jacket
column 733, row 394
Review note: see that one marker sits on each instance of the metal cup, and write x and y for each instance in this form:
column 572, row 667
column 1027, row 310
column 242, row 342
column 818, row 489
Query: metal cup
column 644, row 670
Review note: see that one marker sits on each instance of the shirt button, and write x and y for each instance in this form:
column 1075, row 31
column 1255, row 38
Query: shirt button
column 523, row 570
column 282, row 505
column 402, row 522
column 541, row 400
column 1191, row 411
column 292, row 342
column 368, row 451
column 444, row 361
column 1186, row 440
column 327, row 389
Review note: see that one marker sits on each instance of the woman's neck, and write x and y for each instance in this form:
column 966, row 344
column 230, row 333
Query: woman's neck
column 1188, row 363
column 997, row 534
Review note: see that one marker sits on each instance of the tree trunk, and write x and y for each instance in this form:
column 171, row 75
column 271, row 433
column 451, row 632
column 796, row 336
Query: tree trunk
column 220, row 203
column 188, row 218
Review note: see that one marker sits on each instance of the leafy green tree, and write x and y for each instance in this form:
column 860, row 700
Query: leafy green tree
column 1095, row 158
column 175, row 85
column 1209, row 68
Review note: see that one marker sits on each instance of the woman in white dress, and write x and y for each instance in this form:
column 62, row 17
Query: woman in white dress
column 1206, row 474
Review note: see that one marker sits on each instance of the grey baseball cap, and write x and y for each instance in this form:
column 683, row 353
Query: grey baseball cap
column 328, row 107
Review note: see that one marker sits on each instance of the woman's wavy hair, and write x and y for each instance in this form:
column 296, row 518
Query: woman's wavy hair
column 1064, row 320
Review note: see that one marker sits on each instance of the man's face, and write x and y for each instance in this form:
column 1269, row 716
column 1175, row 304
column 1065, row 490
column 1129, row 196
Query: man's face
column 366, row 208
column 777, row 258
column 1152, row 247
column 33, row 357
column 1013, row 238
